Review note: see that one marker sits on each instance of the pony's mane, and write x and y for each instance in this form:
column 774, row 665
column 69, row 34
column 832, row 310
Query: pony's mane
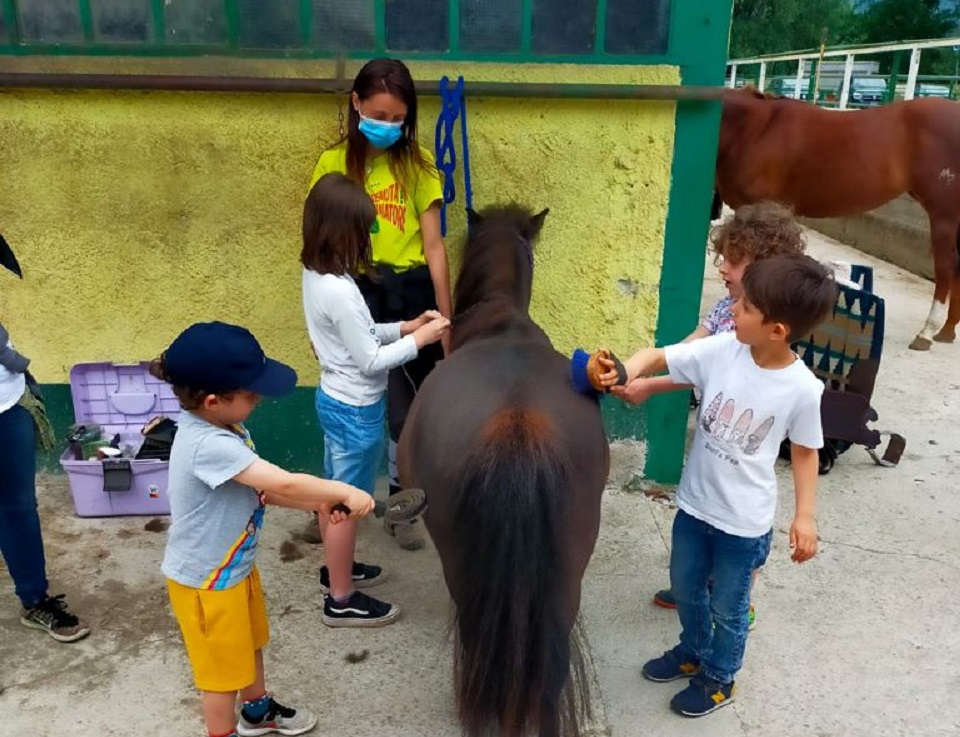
column 495, row 234
column 493, row 289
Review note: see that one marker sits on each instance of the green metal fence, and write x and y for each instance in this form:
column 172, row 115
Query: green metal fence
column 584, row 31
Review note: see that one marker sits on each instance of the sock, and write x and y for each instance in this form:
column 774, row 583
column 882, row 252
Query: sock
column 256, row 710
column 343, row 599
column 226, row 734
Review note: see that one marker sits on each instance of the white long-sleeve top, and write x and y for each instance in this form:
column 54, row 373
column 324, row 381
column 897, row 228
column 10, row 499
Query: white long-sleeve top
column 12, row 385
column 355, row 352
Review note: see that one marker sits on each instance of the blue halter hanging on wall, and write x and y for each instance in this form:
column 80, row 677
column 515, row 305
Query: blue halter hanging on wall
column 453, row 105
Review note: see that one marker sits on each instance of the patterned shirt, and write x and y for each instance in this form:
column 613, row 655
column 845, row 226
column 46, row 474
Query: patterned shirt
column 720, row 318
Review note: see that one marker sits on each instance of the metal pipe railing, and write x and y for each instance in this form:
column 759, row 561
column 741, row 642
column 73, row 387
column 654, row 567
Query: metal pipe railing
column 339, row 85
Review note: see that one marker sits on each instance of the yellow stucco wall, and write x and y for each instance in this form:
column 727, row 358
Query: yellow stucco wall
column 134, row 213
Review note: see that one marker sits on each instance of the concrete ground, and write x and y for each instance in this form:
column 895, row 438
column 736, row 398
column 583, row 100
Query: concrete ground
column 861, row 641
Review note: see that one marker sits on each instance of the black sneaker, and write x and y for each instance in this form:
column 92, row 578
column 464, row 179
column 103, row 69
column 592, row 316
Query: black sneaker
column 363, row 576
column 359, row 610
column 703, row 696
column 51, row 616
column 279, row 719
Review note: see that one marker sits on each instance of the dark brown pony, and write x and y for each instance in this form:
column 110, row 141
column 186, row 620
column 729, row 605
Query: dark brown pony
column 829, row 163
column 513, row 462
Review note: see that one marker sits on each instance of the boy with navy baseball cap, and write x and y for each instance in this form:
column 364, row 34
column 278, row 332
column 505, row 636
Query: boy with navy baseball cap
column 218, row 491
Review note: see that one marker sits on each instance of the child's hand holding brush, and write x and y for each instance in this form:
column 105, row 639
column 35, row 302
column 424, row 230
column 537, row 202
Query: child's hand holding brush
column 595, row 373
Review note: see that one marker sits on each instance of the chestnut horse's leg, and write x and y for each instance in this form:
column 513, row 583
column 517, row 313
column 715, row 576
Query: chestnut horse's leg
column 943, row 237
column 948, row 333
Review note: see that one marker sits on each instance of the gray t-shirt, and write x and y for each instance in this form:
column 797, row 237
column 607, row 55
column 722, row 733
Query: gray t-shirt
column 215, row 521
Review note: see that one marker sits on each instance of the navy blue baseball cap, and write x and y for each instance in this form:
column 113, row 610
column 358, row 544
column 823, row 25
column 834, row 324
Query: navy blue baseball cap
column 221, row 358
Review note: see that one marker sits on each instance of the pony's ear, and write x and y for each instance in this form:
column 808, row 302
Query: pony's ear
column 473, row 217
column 536, row 222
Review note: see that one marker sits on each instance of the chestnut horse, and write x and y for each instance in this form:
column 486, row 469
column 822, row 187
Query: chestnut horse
column 513, row 463
column 829, row 163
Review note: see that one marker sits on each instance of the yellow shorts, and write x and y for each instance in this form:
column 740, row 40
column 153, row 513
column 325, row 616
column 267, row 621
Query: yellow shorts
column 222, row 631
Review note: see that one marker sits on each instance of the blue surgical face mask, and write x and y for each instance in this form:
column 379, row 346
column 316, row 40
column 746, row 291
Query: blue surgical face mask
column 381, row 133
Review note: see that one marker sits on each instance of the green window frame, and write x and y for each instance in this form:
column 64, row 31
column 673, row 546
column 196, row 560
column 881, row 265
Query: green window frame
column 615, row 23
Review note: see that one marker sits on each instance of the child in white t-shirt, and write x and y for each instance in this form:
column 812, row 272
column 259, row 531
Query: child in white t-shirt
column 753, row 233
column 756, row 392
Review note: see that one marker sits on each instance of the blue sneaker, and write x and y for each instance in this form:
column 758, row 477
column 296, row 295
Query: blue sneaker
column 703, row 696
column 670, row 666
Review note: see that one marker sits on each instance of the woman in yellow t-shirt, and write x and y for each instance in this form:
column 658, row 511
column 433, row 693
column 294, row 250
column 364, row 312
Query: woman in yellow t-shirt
column 380, row 151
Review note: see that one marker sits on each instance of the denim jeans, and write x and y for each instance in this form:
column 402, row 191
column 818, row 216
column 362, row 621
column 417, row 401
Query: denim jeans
column 352, row 440
column 713, row 624
column 21, row 542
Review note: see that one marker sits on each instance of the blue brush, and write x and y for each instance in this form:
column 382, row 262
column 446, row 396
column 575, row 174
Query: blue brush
column 578, row 373
column 580, row 378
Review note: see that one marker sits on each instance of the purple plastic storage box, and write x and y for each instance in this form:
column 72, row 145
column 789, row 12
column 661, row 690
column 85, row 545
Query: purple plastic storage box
column 121, row 399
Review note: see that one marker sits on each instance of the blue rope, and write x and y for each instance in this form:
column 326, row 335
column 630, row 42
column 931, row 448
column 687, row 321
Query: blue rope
column 453, row 105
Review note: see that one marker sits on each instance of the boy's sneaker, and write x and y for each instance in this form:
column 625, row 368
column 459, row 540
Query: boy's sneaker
column 359, row 610
column 280, row 719
column 670, row 666
column 52, row 616
column 363, row 576
column 664, row 598
column 703, row 696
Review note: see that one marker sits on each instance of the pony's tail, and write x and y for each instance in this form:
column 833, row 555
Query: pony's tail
column 512, row 624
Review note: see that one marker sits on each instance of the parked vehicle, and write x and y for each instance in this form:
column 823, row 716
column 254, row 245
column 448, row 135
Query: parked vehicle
column 787, row 86
column 927, row 89
column 868, row 91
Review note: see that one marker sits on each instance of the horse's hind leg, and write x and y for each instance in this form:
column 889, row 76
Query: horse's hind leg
column 943, row 236
column 948, row 333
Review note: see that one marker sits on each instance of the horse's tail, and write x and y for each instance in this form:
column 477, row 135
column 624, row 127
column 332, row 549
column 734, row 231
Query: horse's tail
column 513, row 646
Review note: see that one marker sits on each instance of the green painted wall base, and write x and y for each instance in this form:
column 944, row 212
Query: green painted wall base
column 287, row 433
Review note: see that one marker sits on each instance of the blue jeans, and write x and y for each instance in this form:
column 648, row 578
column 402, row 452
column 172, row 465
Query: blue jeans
column 21, row 542
column 352, row 440
column 713, row 624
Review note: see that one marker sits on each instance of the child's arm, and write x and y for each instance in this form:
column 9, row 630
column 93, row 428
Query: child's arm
column 803, row 531
column 435, row 254
column 370, row 356
column 641, row 389
column 303, row 491
column 700, row 332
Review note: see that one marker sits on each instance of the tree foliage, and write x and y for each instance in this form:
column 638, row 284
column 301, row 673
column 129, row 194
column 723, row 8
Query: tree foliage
column 771, row 26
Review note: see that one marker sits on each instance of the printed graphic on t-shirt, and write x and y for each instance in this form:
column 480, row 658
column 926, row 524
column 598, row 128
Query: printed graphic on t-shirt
column 246, row 543
column 729, row 431
column 391, row 204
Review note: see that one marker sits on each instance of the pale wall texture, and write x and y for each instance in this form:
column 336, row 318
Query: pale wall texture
column 135, row 214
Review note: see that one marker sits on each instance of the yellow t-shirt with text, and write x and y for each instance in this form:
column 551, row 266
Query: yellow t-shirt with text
column 396, row 237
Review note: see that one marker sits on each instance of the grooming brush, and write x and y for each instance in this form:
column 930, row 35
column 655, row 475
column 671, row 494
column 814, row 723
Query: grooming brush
column 585, row 368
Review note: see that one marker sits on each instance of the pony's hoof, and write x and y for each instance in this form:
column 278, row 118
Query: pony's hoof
column 945, row 336
column 920, row 344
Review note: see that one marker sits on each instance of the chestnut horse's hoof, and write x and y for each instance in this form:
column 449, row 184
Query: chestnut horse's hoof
column 920, row 344
column 945, row 336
